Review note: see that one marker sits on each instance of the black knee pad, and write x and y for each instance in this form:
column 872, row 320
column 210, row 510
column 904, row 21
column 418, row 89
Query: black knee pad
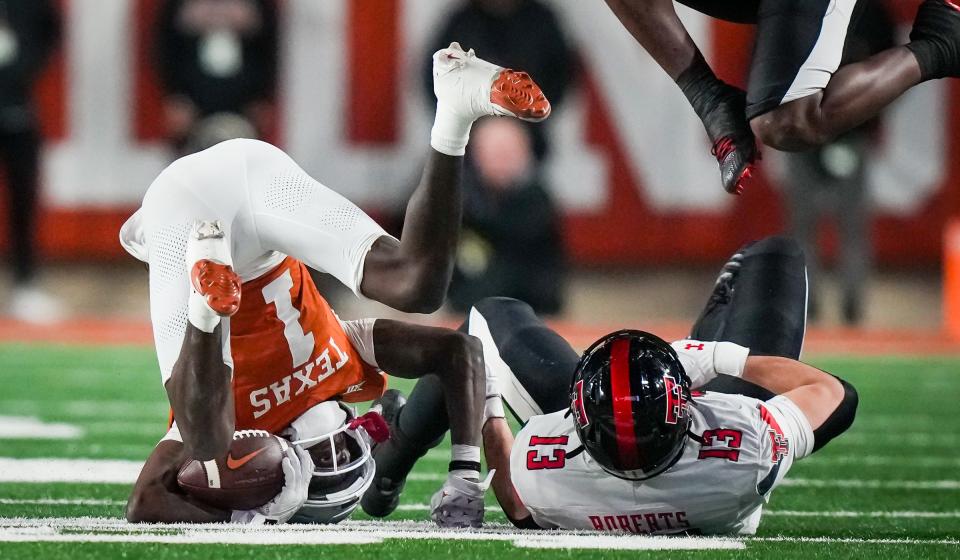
column 767, row 309
column 774, row 245
column 840, row 420
column 493, row 306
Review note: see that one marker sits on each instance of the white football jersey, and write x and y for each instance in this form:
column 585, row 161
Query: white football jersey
column 718, row 485
column 268, row 208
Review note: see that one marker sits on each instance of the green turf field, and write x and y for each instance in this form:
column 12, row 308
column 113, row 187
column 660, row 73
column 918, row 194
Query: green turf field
column 889, row 488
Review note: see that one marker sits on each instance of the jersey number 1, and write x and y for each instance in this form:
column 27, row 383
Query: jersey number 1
column 278, row 293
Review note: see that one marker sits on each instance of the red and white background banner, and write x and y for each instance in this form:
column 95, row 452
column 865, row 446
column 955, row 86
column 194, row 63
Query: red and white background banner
column 630, row 162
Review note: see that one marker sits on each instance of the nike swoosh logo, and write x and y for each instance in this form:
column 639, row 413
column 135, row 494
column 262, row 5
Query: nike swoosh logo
column 234, row 464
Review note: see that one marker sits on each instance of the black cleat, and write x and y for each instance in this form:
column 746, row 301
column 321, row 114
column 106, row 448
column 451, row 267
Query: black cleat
column 383, row 496
column 733, row 142
column 390, row 404
column 712, row 318
column 935, row 39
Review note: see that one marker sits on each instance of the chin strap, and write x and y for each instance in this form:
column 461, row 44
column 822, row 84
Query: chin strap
column 374, row 424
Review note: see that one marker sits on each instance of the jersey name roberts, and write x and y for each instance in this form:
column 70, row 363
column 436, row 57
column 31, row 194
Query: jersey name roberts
column 290, row 352
column 719, row 485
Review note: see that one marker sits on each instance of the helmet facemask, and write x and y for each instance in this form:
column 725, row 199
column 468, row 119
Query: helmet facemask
column 343, row 463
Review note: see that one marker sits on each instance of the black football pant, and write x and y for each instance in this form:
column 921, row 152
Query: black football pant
column 765, row 310
column 787, row 33
column 19, row 156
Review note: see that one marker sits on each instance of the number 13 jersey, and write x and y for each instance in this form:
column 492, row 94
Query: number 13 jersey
column 739, row 450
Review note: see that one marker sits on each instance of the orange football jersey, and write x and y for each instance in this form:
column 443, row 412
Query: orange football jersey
column 290, row 352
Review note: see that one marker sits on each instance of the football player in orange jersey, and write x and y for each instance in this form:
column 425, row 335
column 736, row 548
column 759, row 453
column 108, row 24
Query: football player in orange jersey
column 244, row 339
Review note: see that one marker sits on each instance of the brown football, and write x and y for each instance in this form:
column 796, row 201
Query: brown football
column 249, row 476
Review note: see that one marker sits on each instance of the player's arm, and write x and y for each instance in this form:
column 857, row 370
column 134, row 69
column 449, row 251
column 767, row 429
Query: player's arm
column 201, row 395
column 412, row 351
column 156, row 496
column 816, row 393
column 412, row 274
column 828, row 403
column 497, row 442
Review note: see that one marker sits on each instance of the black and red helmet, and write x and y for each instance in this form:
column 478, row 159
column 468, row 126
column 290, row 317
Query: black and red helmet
column 629, row 401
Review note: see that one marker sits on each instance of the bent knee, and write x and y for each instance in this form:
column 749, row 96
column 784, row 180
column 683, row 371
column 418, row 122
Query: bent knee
column 498, row 304
column 776, row 245
column 791, row 127
column 842, row 417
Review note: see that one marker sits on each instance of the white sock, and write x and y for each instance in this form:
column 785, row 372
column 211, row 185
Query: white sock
column 199, row 313
column 450, row 132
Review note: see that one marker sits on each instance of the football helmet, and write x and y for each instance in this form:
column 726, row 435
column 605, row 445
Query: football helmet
column 629, row 401
column 339, row 443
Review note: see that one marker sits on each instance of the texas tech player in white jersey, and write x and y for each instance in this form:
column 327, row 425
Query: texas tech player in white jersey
column 636, row 435
column 740, row 449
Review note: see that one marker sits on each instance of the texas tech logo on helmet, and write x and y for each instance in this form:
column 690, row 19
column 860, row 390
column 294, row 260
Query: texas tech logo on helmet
column 676, row 401
column 579, row 413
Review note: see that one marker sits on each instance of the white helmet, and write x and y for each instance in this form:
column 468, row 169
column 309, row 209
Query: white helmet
column 336, row 487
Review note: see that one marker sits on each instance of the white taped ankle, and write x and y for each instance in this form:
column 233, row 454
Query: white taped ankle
column 199, row 313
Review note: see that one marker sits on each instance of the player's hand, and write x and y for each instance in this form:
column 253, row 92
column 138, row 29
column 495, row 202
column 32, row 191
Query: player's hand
column 297, row 472
column 459, row 502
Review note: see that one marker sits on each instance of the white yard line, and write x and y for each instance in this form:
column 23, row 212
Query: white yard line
column 899, row 438
column 60, row 502
column 362, row 532
column 912, row 461
column 69, row 470
column 31, row 427
column 867, row 514
column 105, row 408
column 348, row 532
column 836, row 540
column 118, row 471
column 872, row 484
column 426, row 507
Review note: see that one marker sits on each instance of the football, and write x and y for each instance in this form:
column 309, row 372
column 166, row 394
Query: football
column 249, row 476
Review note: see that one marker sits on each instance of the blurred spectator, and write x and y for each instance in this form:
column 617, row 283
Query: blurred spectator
column 511, row 244
column 29, row 31
column 832, row 180
column 217, row 60
column 521, row 34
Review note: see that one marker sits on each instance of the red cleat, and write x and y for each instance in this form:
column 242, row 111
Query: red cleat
column 218, row 284
column 518, row 94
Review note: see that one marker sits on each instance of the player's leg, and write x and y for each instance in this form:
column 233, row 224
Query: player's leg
column 758, row 301
column 156, row 496
column 808, row 101
column 655, row 25
column 192, row 286
column 329, row 233
column 533, row 365
column 20, row 152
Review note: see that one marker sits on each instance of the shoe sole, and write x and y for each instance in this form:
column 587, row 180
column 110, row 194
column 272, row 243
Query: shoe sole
column 517, row 94
column 746, row 174
column 218, row 284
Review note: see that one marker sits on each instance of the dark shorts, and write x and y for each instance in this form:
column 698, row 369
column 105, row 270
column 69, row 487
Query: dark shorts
column 798, row 48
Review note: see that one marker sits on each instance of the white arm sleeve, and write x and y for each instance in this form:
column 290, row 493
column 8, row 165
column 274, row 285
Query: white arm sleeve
column 360, row 333
column 704, row 360
column 296, row 215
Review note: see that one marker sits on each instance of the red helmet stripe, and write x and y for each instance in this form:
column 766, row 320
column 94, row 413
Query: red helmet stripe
column 623, row 401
